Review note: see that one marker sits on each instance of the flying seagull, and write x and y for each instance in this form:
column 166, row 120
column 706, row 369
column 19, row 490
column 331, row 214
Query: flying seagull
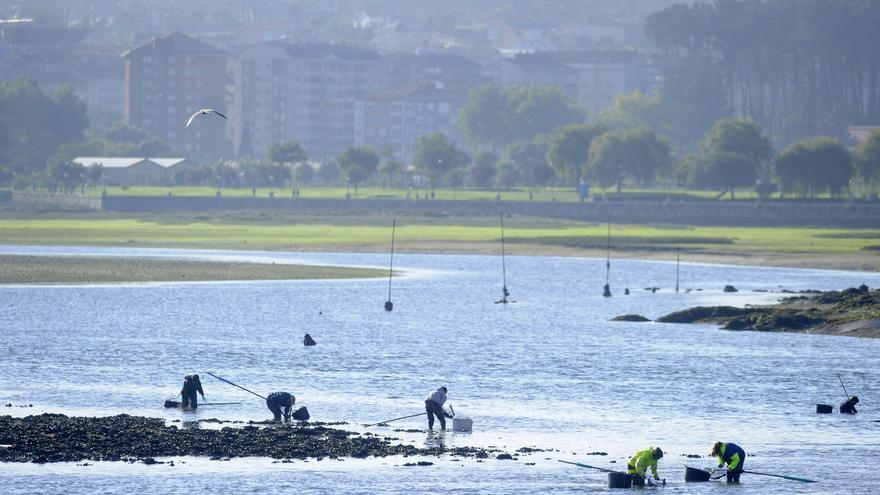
column 204, row 111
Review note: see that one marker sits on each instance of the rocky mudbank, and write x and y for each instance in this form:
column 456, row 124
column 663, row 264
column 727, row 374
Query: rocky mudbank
column 854, row 312
column 59, row 438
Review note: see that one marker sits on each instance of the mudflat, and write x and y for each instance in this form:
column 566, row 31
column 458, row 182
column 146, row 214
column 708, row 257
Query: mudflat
column 28, row 269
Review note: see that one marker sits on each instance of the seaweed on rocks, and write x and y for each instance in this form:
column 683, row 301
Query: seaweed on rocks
column 854, row 311
column 703, row 314
column 630, row 317
column 59, row 438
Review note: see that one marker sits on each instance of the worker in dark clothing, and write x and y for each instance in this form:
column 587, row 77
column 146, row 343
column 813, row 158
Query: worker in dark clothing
column 731, row 454
column 191, row 386
column 278, row 400
column 434, row 407
column 849, row 407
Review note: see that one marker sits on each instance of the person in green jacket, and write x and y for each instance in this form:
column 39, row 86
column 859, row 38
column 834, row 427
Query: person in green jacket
column 731, row 454
column 642, row 460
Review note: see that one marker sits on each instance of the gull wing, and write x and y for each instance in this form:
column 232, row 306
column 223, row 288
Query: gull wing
column 192, row 117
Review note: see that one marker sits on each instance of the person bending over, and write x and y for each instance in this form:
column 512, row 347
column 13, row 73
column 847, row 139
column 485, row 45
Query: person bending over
column 731, row 454
column 434, row 407
column 640, row 462
column 276, row 401
column 849, row 407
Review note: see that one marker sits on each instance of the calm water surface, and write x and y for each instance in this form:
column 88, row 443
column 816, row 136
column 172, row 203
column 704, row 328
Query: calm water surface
column 549, row 371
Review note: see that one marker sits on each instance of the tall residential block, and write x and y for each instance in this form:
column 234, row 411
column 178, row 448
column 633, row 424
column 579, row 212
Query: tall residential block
column 169, row 78
column 301, row 91
column 397, row 119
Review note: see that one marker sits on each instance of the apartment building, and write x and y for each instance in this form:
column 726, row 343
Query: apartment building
column 302, row 91
column 399, row 118
column 602, row 75
column 592, row 77
column 169, row 78
column 537, row 69
column 442, row 70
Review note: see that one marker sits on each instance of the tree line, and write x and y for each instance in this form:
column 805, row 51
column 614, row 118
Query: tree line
column 794, row 67
column 531, row 136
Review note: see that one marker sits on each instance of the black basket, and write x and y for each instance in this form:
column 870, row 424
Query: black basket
column 619, row 480
column 824, row 409
column 301, row 414
column 695, row 475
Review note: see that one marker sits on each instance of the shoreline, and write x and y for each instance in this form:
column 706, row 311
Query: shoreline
column 33, row 269
column 855, row 249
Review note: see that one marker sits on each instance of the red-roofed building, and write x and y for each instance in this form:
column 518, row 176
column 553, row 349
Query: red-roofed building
column 168, row 79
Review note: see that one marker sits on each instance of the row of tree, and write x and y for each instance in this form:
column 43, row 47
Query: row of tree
column 794, row 67
column 40, row 132
column 519, row 136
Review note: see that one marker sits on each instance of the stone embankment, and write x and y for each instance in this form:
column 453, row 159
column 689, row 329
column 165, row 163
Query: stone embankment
column 692, row 212
column 669, row 212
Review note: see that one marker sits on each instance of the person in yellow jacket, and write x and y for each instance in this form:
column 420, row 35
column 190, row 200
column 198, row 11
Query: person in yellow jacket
column 642, row 460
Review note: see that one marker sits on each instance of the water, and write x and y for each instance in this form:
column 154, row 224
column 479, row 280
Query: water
column 549, row 371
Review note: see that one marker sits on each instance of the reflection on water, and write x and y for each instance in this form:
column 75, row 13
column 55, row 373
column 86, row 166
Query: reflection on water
column 548, row 372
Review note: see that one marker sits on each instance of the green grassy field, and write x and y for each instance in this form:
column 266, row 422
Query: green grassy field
column 273, row 230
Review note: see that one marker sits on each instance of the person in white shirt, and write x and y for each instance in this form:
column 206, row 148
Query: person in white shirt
column 434, row 407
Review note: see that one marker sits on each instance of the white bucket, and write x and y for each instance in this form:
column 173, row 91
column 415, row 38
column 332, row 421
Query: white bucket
column 462, row 424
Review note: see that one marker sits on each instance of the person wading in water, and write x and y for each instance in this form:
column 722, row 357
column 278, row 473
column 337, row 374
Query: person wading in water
column 191, row 386
column 434, row 407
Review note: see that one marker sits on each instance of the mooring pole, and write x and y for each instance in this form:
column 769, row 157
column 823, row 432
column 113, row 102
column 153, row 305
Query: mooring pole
column 606, row 292
column 503, row 265
column 677, row 260
column 388, row 304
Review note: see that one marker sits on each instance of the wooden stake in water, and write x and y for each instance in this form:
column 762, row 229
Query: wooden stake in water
column 607, row 291
column 388, row 304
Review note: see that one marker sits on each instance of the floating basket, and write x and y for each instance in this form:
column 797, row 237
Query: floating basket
column 619, row 480
column 824, row 409
column 695, row 475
